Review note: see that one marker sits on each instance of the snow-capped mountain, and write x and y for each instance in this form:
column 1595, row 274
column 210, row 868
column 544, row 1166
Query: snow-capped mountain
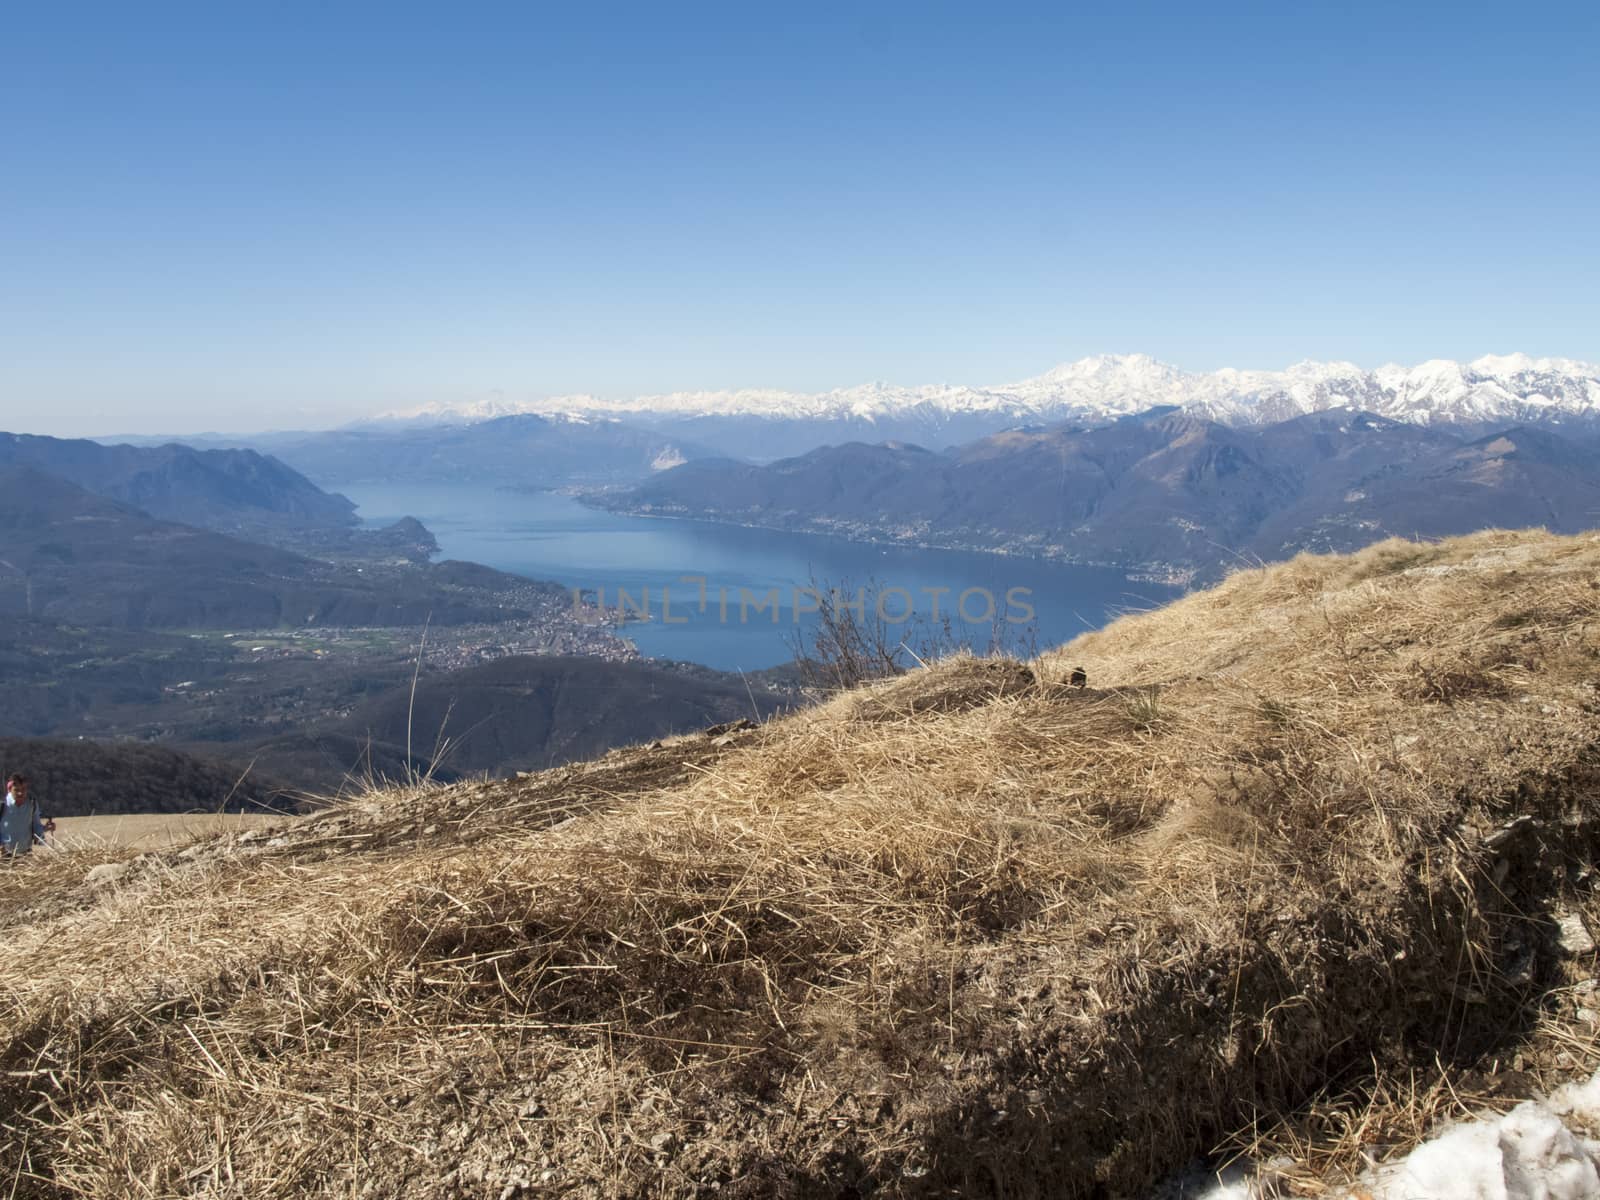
column 476, row 412
column 1493, row 389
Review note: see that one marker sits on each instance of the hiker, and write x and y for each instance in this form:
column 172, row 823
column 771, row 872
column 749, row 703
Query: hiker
column 20, row 825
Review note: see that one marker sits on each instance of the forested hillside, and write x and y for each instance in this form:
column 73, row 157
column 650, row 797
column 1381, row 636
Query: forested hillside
column 77, row 778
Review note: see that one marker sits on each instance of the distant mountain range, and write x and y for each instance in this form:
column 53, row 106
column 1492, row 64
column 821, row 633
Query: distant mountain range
column 1168, row 491
column 512, row 450
column 589, row 441
column 1492, row 391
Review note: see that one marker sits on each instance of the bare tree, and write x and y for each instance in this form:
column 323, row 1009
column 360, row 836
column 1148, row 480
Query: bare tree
column 858, row 637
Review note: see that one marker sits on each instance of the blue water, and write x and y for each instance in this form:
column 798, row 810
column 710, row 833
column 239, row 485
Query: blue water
column 543, row 535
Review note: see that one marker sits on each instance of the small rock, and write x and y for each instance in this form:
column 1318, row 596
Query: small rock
column 430, row 830
column 1589, row 1017
column 1573, row 936
column 661, row 1143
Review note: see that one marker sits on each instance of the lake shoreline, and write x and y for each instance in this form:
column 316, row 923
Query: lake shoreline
column 553, row 535
column 1164, row 574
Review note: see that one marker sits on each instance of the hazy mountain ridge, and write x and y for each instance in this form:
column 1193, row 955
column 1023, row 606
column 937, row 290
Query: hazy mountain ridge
column 585, row 440
column 1168, row 491
column 69, row 555
column 226, row 489
column 232, row 490
column 511, row 449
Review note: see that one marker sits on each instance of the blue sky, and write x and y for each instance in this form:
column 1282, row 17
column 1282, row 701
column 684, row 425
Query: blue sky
column 223, row 216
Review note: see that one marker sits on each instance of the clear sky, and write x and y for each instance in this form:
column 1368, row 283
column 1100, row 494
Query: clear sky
column 248, row 216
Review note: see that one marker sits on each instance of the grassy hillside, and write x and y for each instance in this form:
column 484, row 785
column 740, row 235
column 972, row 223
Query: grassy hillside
column 1310, row 843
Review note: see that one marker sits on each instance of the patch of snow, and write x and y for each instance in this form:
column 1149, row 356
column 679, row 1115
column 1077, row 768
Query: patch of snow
column 1540, row 1150
column 1573, row 934
column 669, row 457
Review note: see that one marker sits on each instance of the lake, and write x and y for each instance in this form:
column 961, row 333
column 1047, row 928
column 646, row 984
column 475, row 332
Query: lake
column 755, row 580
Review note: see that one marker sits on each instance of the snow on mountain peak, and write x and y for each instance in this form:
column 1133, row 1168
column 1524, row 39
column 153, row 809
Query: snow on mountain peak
column 1102, row 387
column 1131, row 368
column 1506, row 364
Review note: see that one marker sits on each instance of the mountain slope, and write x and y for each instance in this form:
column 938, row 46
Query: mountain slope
column 516, row 450
column 234, row 491
column 1325, row 834
column 516, row 713
column 75, row 777
column 1162, row 491
column 69, row 556
column 1517, row 479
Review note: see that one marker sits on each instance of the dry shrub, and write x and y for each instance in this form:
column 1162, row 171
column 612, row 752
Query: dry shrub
column 963, row 932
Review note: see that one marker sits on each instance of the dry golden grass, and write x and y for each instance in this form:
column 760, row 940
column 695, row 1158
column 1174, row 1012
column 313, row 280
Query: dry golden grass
column 959, row 933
